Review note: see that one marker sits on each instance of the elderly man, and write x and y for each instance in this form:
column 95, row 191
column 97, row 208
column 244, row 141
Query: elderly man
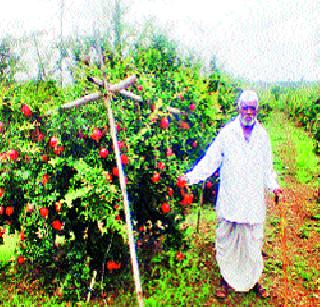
column 242, row 150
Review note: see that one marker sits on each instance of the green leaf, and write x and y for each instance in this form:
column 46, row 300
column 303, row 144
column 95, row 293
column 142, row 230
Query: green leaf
column 316, row 217
column 24, row 175
column 74, row 194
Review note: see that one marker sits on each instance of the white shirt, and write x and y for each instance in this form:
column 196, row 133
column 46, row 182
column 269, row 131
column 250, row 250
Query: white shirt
column 245, row 171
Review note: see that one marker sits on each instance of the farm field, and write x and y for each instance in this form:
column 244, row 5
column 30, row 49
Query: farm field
column 193, row 279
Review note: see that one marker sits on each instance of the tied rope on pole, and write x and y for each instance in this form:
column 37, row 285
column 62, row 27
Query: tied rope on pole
column 133, row 255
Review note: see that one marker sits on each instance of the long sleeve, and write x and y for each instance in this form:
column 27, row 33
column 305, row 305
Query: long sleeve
column 270, row 176
column 208, row 164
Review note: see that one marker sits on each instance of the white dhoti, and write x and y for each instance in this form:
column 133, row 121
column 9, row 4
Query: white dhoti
column 239, row 253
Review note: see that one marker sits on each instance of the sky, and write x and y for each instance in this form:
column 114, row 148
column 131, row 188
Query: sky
column 252, row 39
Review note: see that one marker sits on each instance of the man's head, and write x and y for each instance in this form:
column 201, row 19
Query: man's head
column 248, row 107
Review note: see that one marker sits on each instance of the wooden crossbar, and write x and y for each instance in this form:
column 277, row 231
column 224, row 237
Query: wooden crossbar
column 111, row 88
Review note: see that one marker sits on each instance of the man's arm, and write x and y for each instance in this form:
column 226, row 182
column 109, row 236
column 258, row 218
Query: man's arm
column 208, row 164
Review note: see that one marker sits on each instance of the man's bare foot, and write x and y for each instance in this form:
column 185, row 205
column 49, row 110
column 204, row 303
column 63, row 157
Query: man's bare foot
column 223, row 289
column 260, row 290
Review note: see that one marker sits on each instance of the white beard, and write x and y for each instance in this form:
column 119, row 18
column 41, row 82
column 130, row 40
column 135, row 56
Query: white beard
column 248, row 123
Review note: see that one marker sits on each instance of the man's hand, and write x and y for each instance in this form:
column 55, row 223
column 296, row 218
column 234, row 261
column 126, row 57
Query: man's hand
column 277, row 193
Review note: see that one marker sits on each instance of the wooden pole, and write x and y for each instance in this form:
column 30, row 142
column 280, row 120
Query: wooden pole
column 133, row 256
column 93, row 280
column 200, row 206
column 285, row 290
column 113, row 89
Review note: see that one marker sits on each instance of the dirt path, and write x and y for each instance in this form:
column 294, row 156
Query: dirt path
column 303, row 237
column 302, row 243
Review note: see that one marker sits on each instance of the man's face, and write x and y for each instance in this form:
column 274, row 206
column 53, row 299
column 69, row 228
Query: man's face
column 248, row 112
